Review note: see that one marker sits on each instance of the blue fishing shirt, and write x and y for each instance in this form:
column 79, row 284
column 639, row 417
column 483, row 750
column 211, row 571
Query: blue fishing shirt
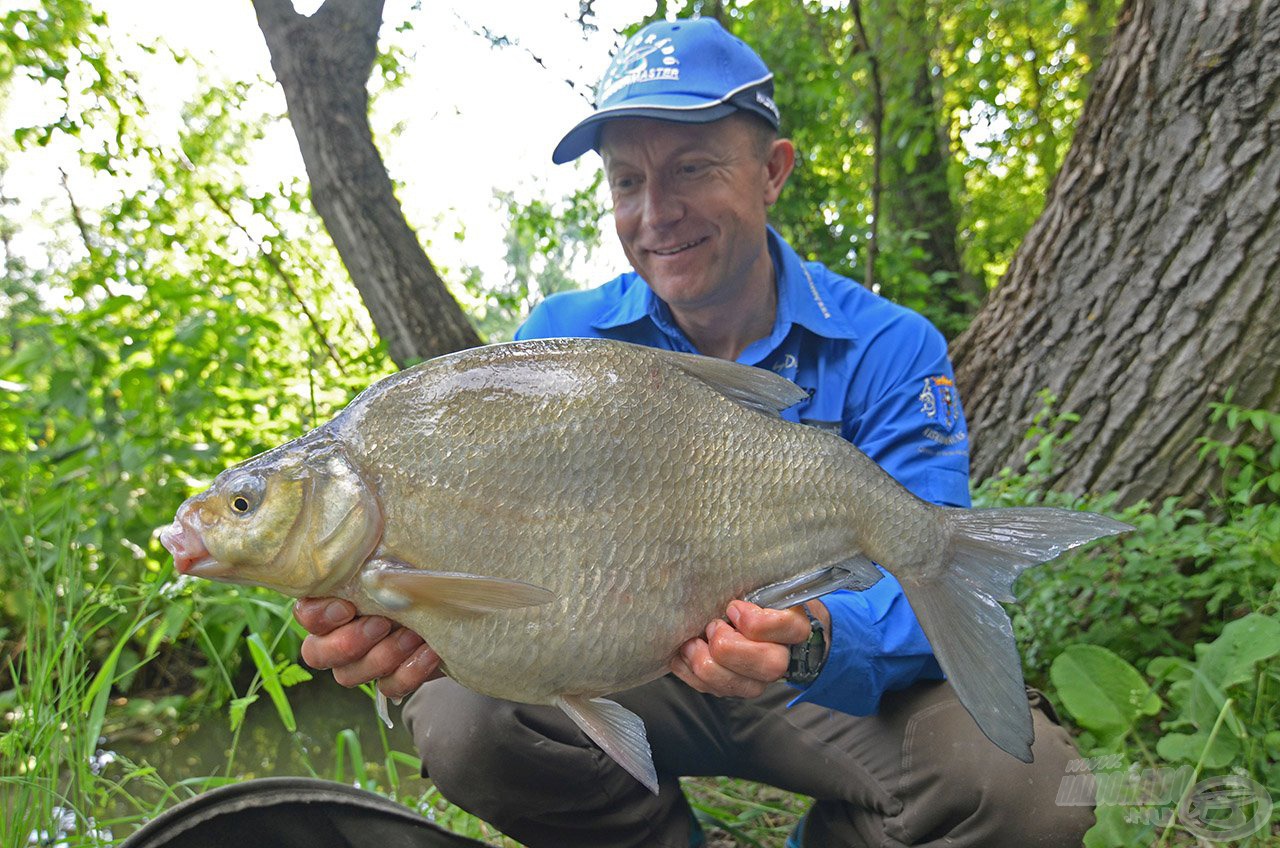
column 876, row 373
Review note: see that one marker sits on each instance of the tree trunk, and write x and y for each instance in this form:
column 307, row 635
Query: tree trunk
column 1151, row 283
column 323, row 64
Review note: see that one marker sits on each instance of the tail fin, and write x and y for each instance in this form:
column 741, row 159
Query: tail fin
column 959, row 608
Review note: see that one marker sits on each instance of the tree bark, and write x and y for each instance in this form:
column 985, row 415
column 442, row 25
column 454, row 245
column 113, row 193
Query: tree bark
column 323, row 63
column 1151, row 283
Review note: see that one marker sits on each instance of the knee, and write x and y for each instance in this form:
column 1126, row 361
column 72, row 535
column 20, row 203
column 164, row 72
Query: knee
column 481, row 753
column 464, row 739
column 969, row 785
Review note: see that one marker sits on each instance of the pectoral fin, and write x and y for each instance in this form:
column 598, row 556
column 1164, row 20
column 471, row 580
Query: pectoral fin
column 856, row 573
column 619, row 733
column 397, row 586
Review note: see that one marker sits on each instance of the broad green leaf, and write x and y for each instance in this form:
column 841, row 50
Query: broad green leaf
column 1170, row 668
column 1189, row 747
column 1230, row 659
column 1112, row 830
column 1102, row 692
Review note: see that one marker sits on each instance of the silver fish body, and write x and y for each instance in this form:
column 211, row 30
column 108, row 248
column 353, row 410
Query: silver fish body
column 557, row 517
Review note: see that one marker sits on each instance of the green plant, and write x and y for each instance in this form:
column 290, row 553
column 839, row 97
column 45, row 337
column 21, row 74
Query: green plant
column 1218, row 717
column 56, row 685
column 1252, row 460
column 1177, row 579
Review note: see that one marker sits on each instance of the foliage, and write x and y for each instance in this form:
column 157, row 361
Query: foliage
column 1089, row 621
column 1226, row 699
column 197, row 316
column 1181, row 576
column 546, row 243
column 61, row 781
column 188, row 322
column 1017, row 76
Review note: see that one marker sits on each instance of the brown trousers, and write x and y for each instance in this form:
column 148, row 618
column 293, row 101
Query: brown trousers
column 918, row 773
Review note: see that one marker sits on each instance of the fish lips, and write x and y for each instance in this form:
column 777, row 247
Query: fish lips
column 190, row 556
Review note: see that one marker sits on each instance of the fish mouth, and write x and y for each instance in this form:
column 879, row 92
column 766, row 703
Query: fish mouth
column 190, row 556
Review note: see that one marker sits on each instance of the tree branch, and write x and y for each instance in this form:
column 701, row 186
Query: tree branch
column 274, row 263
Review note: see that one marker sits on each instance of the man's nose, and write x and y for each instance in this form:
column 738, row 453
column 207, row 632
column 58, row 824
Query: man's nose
column 662, row 207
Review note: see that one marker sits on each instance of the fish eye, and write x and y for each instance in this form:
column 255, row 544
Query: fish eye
column 245, row 496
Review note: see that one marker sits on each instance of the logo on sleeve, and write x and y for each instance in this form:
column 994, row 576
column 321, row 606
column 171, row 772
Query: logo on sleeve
column 938, row 401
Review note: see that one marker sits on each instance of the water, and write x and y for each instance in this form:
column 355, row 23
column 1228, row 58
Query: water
column 338, row 737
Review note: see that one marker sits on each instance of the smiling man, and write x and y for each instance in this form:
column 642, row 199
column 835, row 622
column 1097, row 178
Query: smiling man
column 690, row 210
column 842, row 699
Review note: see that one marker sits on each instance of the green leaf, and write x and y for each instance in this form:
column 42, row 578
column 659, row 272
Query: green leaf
column 292, row 674
column 1104, row 693
column 349, row 743
column 94, row 705
column 271, row 681
column 238, row 708
column 1189, row 747
column 1230, row 659
column 1111, row 829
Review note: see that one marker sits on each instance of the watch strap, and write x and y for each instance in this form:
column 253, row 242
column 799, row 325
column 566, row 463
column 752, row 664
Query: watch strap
column 808, row 657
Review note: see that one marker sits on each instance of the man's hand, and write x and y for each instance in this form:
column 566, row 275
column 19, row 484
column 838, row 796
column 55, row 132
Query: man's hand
column 364, row 648
column 742, row 658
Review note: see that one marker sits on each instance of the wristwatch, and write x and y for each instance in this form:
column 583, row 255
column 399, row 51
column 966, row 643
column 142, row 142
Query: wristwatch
column 808, row 656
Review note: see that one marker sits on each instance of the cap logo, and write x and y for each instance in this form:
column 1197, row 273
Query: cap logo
column 642, row 59
column 767, row 102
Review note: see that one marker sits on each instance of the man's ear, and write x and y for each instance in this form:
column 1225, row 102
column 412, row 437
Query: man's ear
column 778, row 167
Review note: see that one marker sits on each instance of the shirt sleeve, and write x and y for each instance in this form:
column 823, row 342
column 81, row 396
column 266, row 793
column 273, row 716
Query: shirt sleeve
column 905, row 414
column 537, row 326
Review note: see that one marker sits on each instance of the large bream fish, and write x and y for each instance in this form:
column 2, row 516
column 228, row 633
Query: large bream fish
column 557, row 517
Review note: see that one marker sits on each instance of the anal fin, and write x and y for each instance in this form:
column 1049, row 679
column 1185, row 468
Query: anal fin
column 397, row 586
column 619, row 733
column 856, row 573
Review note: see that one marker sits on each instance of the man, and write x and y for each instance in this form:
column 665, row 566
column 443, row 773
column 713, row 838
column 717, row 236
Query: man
column 687, row 130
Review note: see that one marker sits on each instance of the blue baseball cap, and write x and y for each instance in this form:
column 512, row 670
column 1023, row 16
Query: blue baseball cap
column 692, row 71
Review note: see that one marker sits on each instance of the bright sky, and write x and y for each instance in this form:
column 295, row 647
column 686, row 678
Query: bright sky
column 471, row 118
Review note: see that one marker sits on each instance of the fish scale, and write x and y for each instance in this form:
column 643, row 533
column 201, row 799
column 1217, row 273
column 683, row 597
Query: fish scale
column 557, row 517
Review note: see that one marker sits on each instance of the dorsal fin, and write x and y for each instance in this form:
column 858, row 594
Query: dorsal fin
column 754, row 388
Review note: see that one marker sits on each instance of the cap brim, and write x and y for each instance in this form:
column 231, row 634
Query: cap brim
column 586, row 135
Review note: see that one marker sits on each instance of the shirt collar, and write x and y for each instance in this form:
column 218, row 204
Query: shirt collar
column 804, row 298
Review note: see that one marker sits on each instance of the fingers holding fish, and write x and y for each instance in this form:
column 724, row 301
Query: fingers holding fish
column 421, row 666
column 360, row 649
column 761, row 624
column 740, row 659
column 384, row 657
column 727, row 664
column 321, row 615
